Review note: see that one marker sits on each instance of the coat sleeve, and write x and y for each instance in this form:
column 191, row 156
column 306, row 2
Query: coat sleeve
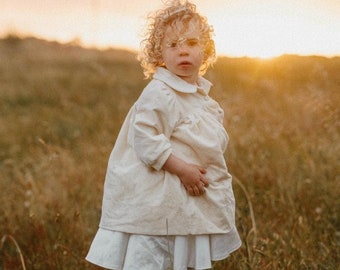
column 155, row 118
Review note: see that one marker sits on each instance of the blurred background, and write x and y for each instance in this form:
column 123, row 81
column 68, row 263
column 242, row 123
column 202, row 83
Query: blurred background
column 69, row 74
column 243, row 28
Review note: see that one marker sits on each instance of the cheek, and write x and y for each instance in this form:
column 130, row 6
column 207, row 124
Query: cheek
column 200, row 56
column 167, row 57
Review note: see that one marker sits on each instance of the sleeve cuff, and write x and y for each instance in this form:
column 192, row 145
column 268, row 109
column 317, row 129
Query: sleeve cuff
column 158, row 165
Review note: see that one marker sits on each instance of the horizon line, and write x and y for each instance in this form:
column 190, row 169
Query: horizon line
column 76, row 41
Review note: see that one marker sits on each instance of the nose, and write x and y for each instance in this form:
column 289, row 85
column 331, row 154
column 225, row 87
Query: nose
column 183, row 49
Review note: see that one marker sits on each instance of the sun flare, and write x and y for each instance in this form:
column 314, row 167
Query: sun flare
column 243, row 28
column 268, row 29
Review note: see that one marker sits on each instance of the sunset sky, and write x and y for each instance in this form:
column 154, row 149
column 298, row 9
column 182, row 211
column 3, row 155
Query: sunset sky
column 255, row 28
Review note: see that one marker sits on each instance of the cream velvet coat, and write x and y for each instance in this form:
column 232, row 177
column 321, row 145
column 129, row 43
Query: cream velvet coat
column 170, row 116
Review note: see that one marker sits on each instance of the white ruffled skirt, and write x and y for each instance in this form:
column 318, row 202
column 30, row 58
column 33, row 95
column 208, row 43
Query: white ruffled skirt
column 124, row 251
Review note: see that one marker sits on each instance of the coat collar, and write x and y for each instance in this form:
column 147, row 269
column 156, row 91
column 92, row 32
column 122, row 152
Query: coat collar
column 181, row 85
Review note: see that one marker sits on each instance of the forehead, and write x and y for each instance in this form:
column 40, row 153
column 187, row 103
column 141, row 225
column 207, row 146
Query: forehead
column 180, row 30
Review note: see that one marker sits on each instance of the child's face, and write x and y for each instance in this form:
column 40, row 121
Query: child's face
column 182, row 52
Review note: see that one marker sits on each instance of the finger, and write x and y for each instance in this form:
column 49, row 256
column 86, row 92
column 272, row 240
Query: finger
column 202, row 170
column 196, row 191
column 204, row 181
column 190, row 190
column 201, row 189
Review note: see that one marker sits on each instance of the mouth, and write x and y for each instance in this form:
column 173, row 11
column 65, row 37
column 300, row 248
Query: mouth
column 185, row 64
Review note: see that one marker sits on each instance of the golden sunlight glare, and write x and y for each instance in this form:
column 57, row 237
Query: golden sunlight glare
column 266, row 29
column 243, row 27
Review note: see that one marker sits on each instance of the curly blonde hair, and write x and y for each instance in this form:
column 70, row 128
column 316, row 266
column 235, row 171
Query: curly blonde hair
column 176, row 11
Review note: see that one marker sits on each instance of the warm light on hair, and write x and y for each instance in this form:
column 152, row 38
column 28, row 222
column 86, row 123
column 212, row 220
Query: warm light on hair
column 177, row 13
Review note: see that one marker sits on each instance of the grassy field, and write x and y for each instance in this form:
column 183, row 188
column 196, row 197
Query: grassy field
column 61, row 107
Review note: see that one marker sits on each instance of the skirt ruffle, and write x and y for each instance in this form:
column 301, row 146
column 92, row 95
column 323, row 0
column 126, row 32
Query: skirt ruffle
column 124, row 251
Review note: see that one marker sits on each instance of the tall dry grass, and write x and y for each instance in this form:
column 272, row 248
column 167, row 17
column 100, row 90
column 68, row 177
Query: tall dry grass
column 61, row 108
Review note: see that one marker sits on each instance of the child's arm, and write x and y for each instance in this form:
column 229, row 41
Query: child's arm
column 192, row 176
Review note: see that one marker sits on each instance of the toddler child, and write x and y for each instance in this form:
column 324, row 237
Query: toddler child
column 168, row 201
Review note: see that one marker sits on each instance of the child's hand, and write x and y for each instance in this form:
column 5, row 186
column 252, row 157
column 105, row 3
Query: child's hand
column 193, row 178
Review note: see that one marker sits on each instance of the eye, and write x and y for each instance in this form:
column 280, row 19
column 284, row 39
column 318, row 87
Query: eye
column 171, row 44
column 192, row 42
